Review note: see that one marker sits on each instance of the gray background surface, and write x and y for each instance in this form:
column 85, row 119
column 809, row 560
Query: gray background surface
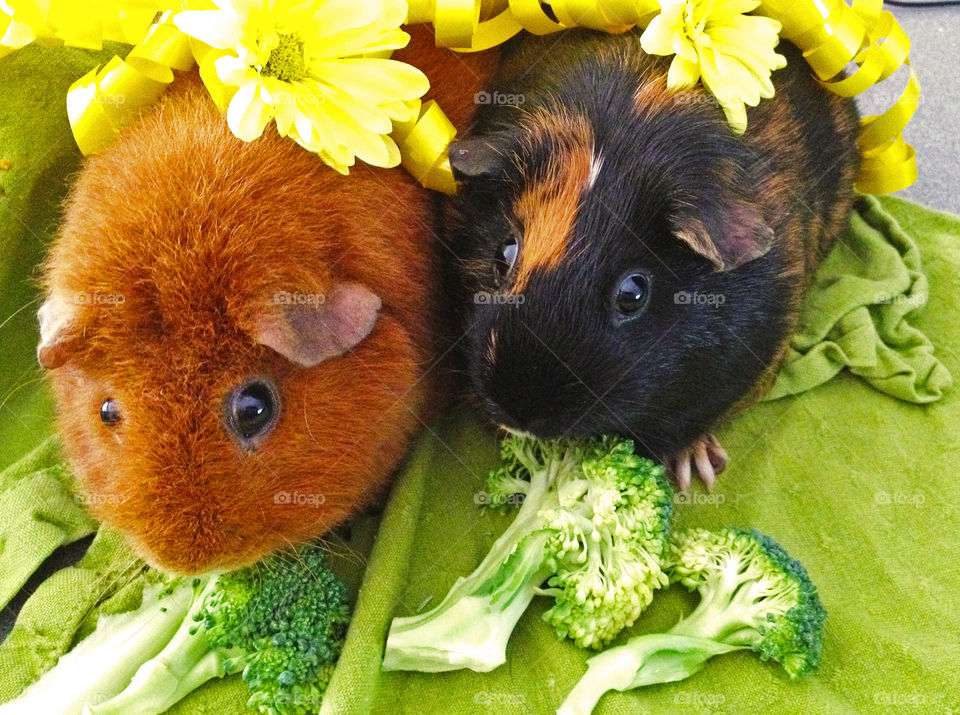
column 934, row 130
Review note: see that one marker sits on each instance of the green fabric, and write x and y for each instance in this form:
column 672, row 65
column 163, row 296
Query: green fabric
column 856, row 316
column 64, row 608
column 860, row 487
column 39, row 512
column 35, row 139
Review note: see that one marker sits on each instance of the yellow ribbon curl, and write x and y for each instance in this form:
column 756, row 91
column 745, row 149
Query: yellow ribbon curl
column 831, row 34
column 103, row 101
column 88, row 23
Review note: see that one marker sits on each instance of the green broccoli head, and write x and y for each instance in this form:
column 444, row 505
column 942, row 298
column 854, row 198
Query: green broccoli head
column 753, row 593
column 524, row 459
column 280, row 622
column 286, row 617
column 609, row 533
column 607, row 525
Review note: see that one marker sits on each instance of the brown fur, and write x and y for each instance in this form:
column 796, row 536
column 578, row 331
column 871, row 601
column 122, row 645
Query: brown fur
column 653, row 96
column 805, row 233
column 195, row 232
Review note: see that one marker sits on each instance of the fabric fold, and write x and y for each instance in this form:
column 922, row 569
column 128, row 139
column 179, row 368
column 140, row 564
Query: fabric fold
column 859, row 316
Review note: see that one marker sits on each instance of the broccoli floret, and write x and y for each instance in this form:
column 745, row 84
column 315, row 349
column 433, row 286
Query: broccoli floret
column 753, row 595
column 280, row 623
column 592, row 522
column 287, row 617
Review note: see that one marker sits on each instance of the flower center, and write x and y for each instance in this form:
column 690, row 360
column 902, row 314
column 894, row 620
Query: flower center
column 286, row 61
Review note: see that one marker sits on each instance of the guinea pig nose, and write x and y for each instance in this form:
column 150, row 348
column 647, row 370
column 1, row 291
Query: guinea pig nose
column 252, row 409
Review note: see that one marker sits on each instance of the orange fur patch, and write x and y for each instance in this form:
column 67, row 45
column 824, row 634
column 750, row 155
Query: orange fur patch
column 548, row 208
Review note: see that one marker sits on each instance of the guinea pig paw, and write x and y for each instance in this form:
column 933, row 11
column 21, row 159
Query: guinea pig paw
column 706, row 456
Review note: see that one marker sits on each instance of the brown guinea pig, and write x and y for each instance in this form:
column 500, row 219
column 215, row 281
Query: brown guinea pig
column 631, row 265
column 241, row 341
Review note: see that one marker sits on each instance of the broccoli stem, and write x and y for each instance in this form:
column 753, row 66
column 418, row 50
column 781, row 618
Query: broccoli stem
column 102, row 664
column 644, row 660
column 471, row 626
column 185, row 663
column 719, row 624
column 725, row 614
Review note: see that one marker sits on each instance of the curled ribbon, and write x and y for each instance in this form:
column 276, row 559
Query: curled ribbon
column 88, row 23
column 13, row 33
column 103, row 101
column 832, row 35
column 424, row 144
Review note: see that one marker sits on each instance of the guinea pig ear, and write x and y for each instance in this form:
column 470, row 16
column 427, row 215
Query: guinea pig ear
column 308, row 334
column 740, row 235
column 479, row 157
column 59, row 332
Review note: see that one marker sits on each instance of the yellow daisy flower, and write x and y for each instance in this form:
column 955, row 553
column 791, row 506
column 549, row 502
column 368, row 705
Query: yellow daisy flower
column 716, row 42
column 316, row 67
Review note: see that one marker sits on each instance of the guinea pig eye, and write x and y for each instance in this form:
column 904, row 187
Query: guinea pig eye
column 632, row 294
column 505, row 257
column 109, row 413
column 252, row 409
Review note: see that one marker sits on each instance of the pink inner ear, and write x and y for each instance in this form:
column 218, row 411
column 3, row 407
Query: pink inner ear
column 749, row 237
column 741, row 238
column 309, row 334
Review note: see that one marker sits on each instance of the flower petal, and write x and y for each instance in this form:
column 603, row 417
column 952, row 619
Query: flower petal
column 682, row 73
column 248, row 114
column 373, row 80
column 657, row 39
column 231, row 70
column 736, row 115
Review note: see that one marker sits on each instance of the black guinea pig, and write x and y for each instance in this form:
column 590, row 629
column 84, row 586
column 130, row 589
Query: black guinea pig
column 628, row 263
